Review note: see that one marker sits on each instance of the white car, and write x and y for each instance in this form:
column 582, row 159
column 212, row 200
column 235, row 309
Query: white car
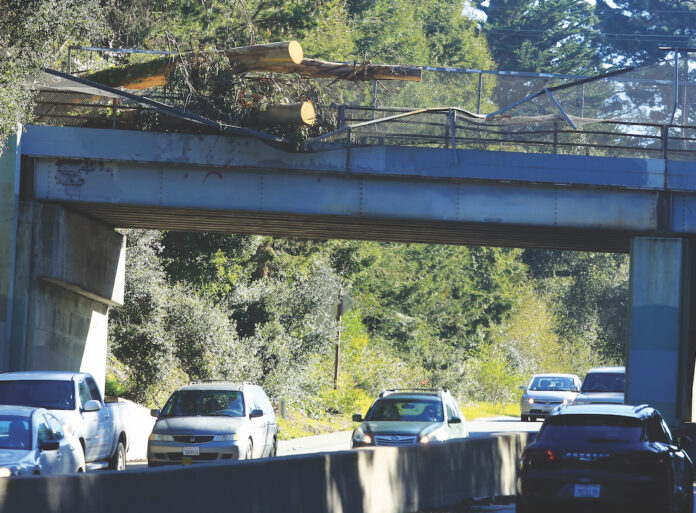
column 545, row 392
column 207, row 422
column 603, row 385
column 34, row 441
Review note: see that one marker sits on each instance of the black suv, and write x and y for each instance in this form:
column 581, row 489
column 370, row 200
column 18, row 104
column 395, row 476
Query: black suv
column 619, row 456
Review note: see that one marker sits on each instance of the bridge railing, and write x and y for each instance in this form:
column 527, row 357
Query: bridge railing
column 459, row 129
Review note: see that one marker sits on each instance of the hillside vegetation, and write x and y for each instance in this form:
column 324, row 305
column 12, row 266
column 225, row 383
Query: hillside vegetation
column 477, row 320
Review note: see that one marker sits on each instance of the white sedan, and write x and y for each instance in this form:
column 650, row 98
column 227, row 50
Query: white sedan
column 34, row 441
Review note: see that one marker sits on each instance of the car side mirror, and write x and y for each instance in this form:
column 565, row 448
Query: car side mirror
column 91, row 405
column 49, row 445
column 532, row 437
column 574, row 388
column 523, row 388
column 256, row 414
column 155, row 412
column 357, row 417
column 455, row 420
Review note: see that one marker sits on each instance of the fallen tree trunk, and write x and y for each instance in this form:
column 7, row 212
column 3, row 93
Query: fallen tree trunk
column 317, row 68
column 154, row 73
column 302, row 113
column 283, row 57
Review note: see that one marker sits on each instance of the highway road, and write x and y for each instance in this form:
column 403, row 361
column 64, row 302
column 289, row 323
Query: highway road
column 340, row 441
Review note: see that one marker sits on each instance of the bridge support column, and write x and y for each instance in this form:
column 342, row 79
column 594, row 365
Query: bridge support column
column 660, row 363
column 69, row 270
column 9, row 199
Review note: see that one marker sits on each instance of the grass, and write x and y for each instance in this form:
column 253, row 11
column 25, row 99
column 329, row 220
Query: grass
column 297, row 425
column 484, row 409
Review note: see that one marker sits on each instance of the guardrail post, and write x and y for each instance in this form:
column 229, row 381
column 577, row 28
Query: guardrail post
column 453, row 132
column 555, row 137
column 480, row 86
column 341, row 116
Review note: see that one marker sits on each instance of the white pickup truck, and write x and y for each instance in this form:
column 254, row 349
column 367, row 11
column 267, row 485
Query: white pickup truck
column 74, row 397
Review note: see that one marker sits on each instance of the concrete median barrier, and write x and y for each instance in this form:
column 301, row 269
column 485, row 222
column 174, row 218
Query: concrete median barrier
column 374, row 480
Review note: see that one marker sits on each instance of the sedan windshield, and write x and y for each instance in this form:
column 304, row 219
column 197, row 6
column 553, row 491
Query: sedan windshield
column 15, row 432
column 603, row 382
column 417, row 410
column 551, row 384
column 209, row 403
column 49, row 394
column 591, row 429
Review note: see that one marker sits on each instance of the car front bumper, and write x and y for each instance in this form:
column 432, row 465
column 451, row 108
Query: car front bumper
column 172, row 453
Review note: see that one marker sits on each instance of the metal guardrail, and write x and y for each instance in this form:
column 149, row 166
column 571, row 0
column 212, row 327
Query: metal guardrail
column 459, row 129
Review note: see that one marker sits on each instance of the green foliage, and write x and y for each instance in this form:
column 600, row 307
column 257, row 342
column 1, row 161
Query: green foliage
column 632, row 30
column 33, row 35
column 541, row 35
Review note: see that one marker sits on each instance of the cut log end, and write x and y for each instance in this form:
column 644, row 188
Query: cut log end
column 295, row 51
column 288, row 114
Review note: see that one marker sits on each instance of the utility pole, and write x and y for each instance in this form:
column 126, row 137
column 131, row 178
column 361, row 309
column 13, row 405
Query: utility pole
column 339, row 314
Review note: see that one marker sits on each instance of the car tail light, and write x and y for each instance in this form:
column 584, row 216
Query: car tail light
column 537, row 457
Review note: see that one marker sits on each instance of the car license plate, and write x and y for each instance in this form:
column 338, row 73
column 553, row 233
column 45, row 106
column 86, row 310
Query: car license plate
column 192, row 451
column 589, row 491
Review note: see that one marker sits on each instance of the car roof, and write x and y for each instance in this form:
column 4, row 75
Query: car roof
column 20, row 411
column 555, row 375
column 607, row 369
column 411, row 395
column 217, row 385
column 620, row 410
column 39, row 375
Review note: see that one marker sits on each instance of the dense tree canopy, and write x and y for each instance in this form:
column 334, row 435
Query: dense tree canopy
column 478, row 320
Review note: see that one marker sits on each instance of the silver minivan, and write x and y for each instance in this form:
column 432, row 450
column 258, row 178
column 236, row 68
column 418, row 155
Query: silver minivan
column 206, row 422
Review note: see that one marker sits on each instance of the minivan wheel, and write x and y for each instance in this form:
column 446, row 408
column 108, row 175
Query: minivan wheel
column 274, row 449
column 250, row 450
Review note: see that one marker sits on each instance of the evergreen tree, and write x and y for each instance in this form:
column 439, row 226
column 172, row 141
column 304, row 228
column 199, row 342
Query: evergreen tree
column 632, row 30
column 541, row 35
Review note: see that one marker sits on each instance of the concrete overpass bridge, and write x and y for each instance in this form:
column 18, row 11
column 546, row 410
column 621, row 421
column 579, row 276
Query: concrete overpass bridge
column 63, row 190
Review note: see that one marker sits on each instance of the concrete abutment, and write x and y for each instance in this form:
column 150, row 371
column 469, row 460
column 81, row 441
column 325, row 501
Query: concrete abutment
column 60, row 271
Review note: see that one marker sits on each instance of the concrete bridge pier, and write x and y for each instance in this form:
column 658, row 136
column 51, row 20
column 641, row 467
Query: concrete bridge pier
column 660, row 363
column 60, row 271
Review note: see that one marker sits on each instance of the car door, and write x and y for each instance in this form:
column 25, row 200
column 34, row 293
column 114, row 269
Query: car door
column 105, row 421
column 269, row 420
column 50, row 462
column 65, row 451
column 455, row 430
column 90, row 423
column 261, row 426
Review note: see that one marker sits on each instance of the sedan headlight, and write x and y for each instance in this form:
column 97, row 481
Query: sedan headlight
column 227, row 437
column 530, row 400
column 566, row 401
column 161, row 438
column 360, row 436
column 436, row 435
column 10, row 471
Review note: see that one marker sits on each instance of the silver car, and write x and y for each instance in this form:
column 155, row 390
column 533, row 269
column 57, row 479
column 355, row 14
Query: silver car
column 34, row 441
column 603, row 385
column 545, row 392
column 207, row 422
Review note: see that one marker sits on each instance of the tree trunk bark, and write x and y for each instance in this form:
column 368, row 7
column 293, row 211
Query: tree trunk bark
column 288, row 114
column 317, row 68
column 154, row 73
